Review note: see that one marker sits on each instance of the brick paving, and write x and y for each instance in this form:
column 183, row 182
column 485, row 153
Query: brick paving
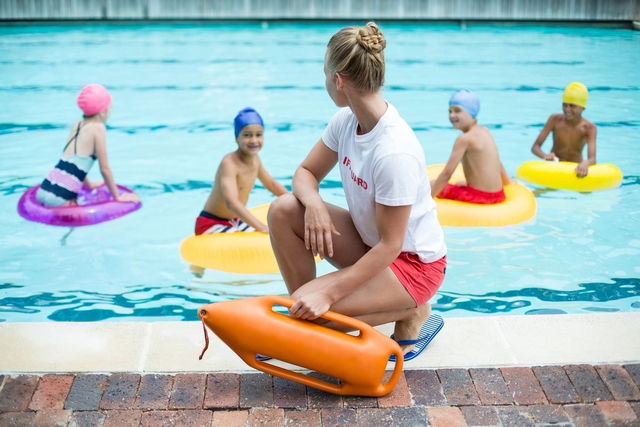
column 572, row 395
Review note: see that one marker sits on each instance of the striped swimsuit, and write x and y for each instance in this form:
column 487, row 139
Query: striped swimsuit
column 63, row 183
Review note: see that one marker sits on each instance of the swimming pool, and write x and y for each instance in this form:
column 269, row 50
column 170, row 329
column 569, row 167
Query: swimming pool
column 176, row 89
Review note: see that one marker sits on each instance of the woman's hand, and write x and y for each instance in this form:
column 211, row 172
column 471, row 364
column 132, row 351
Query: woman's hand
column 551, row 157
column 318, row 230
column 310, row 306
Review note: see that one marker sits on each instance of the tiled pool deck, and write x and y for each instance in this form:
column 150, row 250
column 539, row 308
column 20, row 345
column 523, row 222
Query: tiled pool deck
column 578, row 370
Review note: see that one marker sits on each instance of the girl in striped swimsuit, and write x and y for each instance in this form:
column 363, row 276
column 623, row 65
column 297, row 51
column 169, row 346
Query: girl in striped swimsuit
column 87, row 143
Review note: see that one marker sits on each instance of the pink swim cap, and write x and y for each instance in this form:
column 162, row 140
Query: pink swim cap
column 93, row 99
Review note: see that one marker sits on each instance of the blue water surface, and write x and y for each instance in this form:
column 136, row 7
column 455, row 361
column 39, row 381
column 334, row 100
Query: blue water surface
column 176, row 89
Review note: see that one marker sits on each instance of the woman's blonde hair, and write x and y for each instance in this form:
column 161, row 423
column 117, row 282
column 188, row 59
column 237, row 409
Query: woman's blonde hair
column 357, row 53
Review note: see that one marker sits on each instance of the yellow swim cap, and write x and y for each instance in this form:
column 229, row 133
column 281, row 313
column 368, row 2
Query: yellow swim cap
column 575, row 93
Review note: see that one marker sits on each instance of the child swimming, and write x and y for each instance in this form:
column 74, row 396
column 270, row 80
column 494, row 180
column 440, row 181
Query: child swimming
column 570, row 131
column 225, row 210
column 87, row 142
column 476, row 149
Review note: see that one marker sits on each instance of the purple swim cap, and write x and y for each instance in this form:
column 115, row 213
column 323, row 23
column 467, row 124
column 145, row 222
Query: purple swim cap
column 93, row 99
column 466, row 100
column 246, row 117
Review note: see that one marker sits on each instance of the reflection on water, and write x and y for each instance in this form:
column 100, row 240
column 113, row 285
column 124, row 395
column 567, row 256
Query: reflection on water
column 179, row 302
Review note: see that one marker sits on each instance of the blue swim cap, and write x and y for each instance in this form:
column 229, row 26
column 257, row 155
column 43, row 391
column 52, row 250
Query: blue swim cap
column 247, row 116
column 466, row 100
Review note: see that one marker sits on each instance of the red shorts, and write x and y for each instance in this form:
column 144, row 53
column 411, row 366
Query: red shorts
column 422, row 280
column 207, row 223
column 464, row 193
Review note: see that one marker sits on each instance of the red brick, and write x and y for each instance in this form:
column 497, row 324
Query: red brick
column 338, row 416
column 123, row 418
column 490, row 386
column 480, row 415
column 400, row 395
column 458, row 387
column 585, row 415
column 548, row 414
column 87, row 418
column 515, row 416
column 289, row 394
column 356, row 402
column 636, row 408
column 198, row 417
column 588, row 383
column 425, row 388
column 176, row 418
column 17, row 419
column 310, row 417
column 524, row 386
column 619, row 382
column 256, row 390
column 51, row 417
column 634, row 371
column 16, row 393
column 86, row 392
column 556, row 385
column 237, row 418
column 374, row 417
column 223, row 391
column 154, row 392
column 320, row 399
column 120, row 392
column 51, row 392
column 408, row 416
column 446, row 416
column 617, row 412
column 188, row 391
column 158, row 418
column 266, row 417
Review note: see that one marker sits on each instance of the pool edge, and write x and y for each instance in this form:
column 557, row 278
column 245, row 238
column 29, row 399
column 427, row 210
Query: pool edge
column 465, row 342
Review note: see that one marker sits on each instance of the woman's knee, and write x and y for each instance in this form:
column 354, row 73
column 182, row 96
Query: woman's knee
column 283, row 209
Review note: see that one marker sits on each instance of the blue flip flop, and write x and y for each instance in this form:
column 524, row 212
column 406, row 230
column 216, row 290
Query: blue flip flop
column 261, row 358
column 428, row 331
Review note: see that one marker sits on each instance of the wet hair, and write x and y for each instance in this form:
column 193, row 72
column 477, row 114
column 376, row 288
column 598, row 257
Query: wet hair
column 357, row 53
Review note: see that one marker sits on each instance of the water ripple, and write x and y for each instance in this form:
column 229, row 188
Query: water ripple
column 181, row 302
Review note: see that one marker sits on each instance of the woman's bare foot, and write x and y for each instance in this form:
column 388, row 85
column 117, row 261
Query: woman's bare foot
column 409, row 327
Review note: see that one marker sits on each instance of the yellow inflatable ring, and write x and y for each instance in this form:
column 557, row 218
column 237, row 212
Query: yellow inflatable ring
column 519, row 206
column 562, row 176
column 242, row 252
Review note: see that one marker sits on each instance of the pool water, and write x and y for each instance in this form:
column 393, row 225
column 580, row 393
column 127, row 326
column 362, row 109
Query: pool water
column 176, row 89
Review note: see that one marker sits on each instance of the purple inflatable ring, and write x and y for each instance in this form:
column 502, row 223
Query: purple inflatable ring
column 94, row 206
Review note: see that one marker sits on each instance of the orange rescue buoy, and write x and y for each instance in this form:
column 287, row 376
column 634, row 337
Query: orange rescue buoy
column 251, row 327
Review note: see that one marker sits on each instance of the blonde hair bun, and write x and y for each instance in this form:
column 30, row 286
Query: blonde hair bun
column 371, row 38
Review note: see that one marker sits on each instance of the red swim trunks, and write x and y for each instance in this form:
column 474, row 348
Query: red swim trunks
column 422, row 280
column 464, row 193
column 207, row 223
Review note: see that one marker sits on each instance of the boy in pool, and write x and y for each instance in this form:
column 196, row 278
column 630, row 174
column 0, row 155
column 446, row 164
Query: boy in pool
column 476, row 149
column 570, row 131
column 225, row 210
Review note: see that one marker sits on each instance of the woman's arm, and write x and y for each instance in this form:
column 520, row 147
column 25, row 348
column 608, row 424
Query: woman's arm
column 318, row 227
column 392, row 222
